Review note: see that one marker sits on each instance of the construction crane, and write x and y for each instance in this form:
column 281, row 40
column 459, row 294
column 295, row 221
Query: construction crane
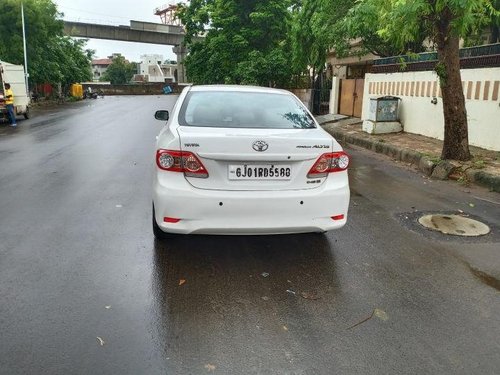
column 167, row 13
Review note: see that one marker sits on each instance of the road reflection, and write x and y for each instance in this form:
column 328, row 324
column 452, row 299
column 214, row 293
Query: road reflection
column 217, row 295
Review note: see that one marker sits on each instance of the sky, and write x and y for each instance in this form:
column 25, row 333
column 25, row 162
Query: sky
column 116, row 12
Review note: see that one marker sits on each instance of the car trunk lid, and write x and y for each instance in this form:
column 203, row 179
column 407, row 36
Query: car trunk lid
column 256, row 159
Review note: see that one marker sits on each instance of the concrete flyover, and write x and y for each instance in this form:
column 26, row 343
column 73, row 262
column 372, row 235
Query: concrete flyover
column 137, row 32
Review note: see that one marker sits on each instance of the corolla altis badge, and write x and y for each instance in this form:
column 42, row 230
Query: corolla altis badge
column 260, row 146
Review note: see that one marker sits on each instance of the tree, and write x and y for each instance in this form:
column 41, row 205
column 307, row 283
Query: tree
column 490, row 21
column 120, row 71
column 68, row 63
column 361, row 21
column 320, row 26
column 443, row 23
column 309, row 49
column 312, row 22
column 52, row 57
column 245, row 41
column 495, row 23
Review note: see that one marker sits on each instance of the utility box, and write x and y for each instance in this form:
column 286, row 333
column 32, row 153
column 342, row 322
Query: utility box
column 385, row 108
column 383, row 116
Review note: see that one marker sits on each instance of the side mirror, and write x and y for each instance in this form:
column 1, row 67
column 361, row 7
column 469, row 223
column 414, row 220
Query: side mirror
column 162, row 115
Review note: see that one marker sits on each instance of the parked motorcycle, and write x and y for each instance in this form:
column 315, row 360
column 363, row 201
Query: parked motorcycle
column 89, row 94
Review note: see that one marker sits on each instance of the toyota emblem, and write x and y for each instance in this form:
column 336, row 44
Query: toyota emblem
column 260, row 146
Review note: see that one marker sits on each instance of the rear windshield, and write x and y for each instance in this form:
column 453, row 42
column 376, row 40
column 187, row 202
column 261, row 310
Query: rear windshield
column 224, row 109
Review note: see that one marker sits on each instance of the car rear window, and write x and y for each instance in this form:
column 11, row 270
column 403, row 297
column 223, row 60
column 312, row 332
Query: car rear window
column 230, row 109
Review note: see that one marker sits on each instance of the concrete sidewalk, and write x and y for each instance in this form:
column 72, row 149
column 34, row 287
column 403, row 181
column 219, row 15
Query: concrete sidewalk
column 422, row 152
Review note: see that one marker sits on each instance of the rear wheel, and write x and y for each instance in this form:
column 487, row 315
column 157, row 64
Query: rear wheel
column 158, row 233
column 27, row 113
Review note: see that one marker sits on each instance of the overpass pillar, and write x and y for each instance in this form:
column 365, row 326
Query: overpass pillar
column 181, row 53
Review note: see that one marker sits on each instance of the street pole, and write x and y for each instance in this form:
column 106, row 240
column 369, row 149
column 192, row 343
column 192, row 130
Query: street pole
column 26, row 75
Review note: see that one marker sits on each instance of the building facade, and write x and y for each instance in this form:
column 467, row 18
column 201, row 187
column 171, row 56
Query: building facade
column 99, row 66
column 154, row 69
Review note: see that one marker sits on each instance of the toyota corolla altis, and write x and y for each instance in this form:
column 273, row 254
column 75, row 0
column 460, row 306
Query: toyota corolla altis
column 246, row 160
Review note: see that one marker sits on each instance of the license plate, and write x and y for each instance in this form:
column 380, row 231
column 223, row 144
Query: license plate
column 259, row 172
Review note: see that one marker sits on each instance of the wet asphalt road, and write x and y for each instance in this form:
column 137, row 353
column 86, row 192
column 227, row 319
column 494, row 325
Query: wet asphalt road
column 78, row 261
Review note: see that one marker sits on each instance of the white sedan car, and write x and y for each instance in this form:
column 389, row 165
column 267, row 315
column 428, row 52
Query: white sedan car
column 246, row 160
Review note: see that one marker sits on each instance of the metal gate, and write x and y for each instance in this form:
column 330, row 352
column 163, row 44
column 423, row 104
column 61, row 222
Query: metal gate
column 321, row 95
column 351, row 97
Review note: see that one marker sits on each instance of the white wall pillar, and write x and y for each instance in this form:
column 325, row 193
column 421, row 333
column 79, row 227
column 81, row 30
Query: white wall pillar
column 334, row 96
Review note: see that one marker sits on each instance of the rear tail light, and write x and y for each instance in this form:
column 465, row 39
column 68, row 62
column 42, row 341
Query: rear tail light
column 328, row 163
column 180, row 161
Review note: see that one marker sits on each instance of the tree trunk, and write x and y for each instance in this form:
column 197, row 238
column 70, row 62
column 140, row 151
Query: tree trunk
column 456, row 139
column 495, row 33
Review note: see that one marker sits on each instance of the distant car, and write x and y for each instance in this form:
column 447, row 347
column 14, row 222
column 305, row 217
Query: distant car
column 246, row 160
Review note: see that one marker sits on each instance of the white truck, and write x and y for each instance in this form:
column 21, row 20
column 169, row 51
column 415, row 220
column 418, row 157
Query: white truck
column 14, row 75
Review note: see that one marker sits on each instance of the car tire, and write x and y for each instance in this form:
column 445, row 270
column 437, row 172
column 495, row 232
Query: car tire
column 27, row 113
column 158, row 233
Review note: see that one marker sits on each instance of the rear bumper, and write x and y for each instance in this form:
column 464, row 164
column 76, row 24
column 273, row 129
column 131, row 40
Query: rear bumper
column 18, row 110
column 250, row 212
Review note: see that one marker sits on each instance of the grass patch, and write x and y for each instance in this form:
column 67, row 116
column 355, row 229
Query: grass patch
column 479, row 164
column 433, row 158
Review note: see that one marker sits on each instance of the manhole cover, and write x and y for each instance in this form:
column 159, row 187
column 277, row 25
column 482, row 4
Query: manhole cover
column 454, row 224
